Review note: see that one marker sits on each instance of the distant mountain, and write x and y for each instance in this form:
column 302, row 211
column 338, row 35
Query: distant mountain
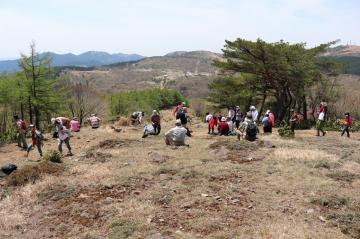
column 86, row 59
column 348, row 56
column 188, row 72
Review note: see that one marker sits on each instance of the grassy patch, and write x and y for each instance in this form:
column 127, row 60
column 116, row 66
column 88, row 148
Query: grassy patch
column 31, row 173
column 348, row 222
column 342, row 176
column 56, row 192
column 333, row 201
column 52, row 156
column 188, row 174
column 166, row 170
column 122, row 229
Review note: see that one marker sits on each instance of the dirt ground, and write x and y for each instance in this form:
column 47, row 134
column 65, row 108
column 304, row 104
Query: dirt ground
column 118, row 185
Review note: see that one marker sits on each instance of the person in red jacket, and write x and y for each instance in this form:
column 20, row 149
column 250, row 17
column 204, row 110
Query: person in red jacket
column 347, row 124
column 212, row 123
column 223, row 127
column 271, row 120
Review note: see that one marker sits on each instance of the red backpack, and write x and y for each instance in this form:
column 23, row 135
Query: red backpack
column 23, row 125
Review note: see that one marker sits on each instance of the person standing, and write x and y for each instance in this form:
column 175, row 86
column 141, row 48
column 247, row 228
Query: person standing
column 21, row 132
column 238, row 116
column 254, row 113
column 64, row 137
column 347, row 124
column 320, row 123
column 271, row 120
column 155, row 121
column 212, row 123
column 294, row 119
column 36, row 140
column 266, row 124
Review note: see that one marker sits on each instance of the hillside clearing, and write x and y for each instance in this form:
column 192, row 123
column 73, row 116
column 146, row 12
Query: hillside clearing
column 121, row 186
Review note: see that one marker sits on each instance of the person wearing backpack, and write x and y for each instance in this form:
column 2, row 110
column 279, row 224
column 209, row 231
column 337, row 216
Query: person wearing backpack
column 266, row 124
column 347, row 124
column 251, row 131
column 21, row 132
column 155, row 121
column 36, row 140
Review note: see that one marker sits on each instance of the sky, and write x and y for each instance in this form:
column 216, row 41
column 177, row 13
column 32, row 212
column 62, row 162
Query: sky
column 157, row 27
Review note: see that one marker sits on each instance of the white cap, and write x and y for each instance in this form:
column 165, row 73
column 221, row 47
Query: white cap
column 252, row 107
column 178, row 122
column 223, row 119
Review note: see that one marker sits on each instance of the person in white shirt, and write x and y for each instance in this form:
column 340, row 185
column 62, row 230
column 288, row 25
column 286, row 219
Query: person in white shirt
column 176, row 135
column 208, row 117
column 254, row 113
column 64, row 137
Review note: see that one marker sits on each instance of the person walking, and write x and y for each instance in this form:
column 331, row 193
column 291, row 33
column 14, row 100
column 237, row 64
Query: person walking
column 320, row 124
column 36, row 140
column 155, row 121
column 212, row 123
column 238, row 116
column 347, row 124
column 64, row 137
column 21, row 132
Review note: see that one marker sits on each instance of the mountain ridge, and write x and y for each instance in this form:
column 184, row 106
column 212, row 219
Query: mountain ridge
column 85, row 59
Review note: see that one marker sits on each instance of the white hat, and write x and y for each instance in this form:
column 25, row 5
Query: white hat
column 223, row 119
column 267, row 112
column 31, row 126
column 53, row 120
column 178, row 122
column 252, row 107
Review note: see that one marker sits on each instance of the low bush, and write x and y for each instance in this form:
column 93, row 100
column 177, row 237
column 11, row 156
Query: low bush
column 336, row 125
column 285, row 131
column 147, row 100
column 122, row 229
column 31, row 173
column 52, row 156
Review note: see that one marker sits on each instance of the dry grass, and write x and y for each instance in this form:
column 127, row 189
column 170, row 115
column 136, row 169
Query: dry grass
column 121, row 186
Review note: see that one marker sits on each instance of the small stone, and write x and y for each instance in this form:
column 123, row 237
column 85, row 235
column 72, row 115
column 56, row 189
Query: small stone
column 164, row 177
column 205, row 195
column 309, row 211
column 322, row 219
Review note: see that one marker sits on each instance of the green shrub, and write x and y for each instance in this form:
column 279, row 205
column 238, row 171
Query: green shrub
column 52, row 156
column 147, row 100
column 285, row 131
column 8, row 136
column 122, row 229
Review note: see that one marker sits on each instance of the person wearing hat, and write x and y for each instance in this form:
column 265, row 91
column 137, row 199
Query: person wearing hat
column 223, row 127
column 21, row 132
column 36, row 140
column 94, row 121
column 176, row 135
column 347, row 124
column 254, row 113
column 75, row 125
column 155, row 121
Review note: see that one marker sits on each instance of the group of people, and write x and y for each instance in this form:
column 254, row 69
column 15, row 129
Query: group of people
column 63, row 126
column 239, row 123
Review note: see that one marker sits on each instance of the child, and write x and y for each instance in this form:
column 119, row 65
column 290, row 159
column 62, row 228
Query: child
column 36, row 140
column 212, row 124
column 64, row 137
column 347, row 124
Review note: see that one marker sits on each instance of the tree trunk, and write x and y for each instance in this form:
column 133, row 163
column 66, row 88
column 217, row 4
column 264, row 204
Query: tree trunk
column 262, row 103
column 37, row 117
column 30, row 111
column 304, row 105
